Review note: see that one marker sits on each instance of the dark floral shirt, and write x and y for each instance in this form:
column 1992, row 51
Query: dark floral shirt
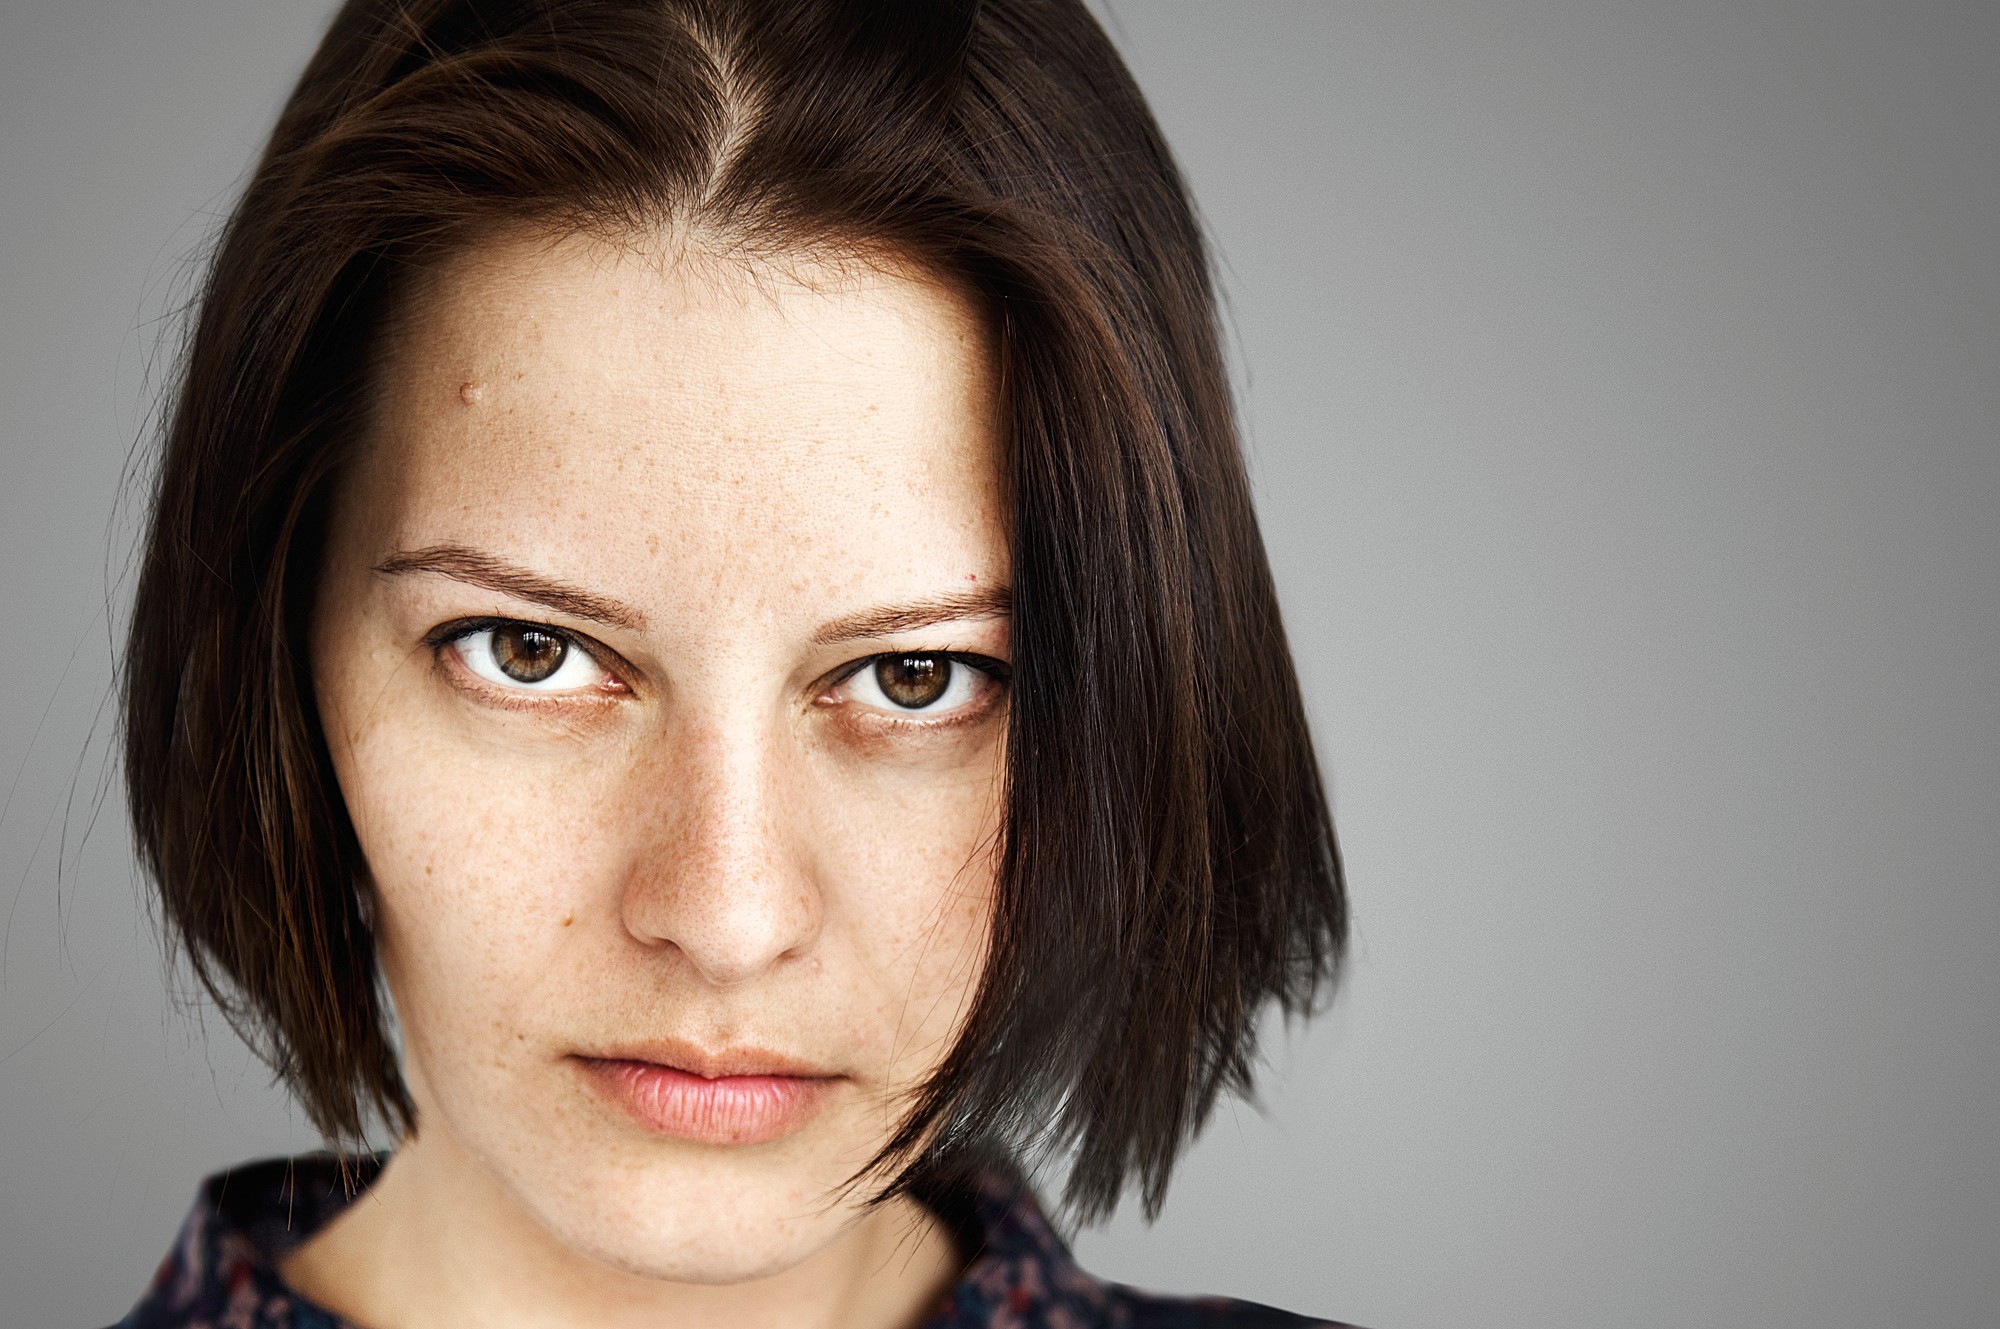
column 222, row 1272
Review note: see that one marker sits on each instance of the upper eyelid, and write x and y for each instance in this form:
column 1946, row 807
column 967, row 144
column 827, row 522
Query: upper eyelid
column 1000, row 671
column 465, row 627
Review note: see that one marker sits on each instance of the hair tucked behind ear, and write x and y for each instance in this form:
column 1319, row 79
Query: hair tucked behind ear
column 1169, row 865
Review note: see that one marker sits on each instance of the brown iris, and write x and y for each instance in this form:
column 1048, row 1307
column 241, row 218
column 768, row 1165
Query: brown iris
column 913, row 681
column 528, row 655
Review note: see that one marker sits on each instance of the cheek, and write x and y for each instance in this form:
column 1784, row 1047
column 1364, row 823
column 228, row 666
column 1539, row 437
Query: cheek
column 908, row 866
column 480, row 865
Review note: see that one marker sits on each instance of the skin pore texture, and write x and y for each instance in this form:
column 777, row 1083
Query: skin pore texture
column 661, row 650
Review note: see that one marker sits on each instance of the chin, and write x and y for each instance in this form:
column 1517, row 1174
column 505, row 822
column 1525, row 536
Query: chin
column 731, row 1217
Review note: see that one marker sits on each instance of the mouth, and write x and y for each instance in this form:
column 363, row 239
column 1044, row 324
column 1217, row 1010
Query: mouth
column 742, row 1096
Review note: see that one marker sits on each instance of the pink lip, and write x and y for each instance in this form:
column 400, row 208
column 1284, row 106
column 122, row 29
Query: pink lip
column 742, row 1103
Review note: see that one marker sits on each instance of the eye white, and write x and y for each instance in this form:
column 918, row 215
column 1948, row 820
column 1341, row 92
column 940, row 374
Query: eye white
column 863, row 686
column 575, row 672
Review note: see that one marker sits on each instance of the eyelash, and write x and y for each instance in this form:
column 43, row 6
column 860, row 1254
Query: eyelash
column 450, row 634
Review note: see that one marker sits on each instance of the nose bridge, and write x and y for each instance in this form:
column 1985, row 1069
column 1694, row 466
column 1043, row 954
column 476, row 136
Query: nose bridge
column 716, row 873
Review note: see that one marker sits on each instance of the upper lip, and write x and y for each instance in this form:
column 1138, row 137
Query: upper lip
column 711, row 1063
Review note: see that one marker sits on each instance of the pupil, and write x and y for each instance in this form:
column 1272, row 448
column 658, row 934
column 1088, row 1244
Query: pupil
column 528, row 655
column 913, row 681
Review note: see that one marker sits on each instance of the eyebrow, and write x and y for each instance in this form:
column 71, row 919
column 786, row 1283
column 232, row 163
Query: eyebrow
column 986, row 602
column 476, row 568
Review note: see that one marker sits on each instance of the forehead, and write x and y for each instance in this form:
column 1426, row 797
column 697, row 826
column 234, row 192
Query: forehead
column 573, row 400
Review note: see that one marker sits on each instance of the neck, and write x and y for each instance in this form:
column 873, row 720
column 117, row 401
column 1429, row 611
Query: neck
column 438, row 1242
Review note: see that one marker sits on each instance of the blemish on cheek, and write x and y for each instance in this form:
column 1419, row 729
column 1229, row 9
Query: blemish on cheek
column 972, row 576
column 471, row 391
column 568, row 919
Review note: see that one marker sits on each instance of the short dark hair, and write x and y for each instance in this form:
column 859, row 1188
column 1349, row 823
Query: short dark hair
column 1169, row 866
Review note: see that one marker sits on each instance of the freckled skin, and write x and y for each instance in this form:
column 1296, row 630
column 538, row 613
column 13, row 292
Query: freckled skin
column 732, row 851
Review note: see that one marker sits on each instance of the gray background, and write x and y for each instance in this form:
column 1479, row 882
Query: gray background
column 1623, row 387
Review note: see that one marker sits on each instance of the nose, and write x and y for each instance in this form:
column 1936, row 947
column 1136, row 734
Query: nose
column 722, row 869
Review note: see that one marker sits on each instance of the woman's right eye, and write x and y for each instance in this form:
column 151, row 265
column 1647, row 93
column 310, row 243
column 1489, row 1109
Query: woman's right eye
column 524, row 657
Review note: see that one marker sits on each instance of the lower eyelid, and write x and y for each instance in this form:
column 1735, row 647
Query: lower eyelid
column 509, row 699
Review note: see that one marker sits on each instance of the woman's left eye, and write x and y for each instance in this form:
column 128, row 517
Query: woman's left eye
column 926, row 684
column 523, row 657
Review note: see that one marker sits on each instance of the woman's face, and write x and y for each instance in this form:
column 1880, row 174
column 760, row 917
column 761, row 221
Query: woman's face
column 661, row 649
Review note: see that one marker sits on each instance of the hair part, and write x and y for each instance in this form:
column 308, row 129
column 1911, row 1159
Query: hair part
column 1168, row 864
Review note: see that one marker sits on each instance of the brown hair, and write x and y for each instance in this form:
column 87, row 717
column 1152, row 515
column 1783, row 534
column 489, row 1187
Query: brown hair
column 1169, row 863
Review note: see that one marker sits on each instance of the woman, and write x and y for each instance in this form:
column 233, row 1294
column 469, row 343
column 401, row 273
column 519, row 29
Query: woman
column 701, row 559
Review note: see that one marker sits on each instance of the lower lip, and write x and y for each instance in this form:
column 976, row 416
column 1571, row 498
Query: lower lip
column 730, row 1109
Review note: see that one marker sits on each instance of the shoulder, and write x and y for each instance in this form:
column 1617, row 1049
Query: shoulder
column 1065, row 1297
column 1023, row 1276
column 222, row 1267
column 1133, row 1309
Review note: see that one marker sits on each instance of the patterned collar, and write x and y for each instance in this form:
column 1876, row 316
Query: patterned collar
column 222, row 1272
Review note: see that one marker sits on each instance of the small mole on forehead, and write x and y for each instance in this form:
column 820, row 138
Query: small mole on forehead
column 471, row 391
